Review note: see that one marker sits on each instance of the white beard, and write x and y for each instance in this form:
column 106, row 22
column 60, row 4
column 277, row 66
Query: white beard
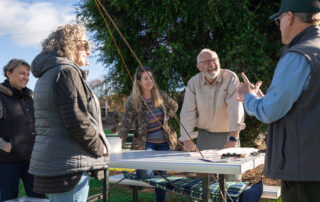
column 210, row 76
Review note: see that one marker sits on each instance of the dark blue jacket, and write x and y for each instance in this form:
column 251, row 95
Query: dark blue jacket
column 16, row 123
column 293, row 141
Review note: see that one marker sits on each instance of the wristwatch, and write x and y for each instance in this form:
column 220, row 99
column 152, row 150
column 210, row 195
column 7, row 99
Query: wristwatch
column 233, row 139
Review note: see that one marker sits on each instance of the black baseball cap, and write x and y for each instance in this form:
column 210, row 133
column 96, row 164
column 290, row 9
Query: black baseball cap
column 299, row 6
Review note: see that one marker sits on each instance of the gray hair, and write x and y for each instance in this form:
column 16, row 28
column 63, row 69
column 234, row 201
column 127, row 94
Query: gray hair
column 308, row 17
column 12, row 64
column 313, row 18
column 205, row 50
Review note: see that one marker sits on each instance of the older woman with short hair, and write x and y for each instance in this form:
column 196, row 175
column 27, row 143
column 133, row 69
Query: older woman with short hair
column 17, row 130
column 70, row 143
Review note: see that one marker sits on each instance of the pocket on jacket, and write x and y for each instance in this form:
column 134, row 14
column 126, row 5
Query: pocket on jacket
column 283, row 145
column 13, row 147
column 289, row 152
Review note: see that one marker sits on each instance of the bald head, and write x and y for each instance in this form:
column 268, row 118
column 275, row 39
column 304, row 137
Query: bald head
column 206, row 51
column 208, row 64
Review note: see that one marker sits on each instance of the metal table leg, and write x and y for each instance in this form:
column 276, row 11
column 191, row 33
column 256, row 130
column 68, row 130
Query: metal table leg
column 106, row 185
column 222, row 185
column 135, row 194
column 206, row 188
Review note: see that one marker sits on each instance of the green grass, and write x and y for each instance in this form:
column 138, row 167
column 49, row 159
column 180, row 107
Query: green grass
column 124, row 193
column 270, row 200
column 21, row 190
column 107, row 131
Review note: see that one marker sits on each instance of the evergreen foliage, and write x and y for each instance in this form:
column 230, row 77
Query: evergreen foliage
column 167, row 35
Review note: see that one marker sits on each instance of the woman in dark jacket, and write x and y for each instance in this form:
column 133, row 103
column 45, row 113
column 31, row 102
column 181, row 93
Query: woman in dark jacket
column 17, row 131
column 149, row 110
column 70, row 142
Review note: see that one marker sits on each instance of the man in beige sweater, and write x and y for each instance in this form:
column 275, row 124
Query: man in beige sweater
column 210, row 105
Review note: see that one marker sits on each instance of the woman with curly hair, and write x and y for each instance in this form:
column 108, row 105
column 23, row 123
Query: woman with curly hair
column 149, row 110
column 70, row 143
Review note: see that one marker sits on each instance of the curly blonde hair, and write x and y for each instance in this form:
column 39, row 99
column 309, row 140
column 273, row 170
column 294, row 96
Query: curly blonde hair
column 65, row 41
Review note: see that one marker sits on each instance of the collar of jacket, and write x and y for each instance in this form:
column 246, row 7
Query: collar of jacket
column 8, row 90
column 84, row 73
column 302, row 36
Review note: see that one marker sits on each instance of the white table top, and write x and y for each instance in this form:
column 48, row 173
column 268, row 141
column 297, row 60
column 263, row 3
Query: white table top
column 181, row 161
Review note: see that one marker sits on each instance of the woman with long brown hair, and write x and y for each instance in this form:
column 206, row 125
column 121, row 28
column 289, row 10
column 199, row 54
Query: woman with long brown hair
column 149, row 109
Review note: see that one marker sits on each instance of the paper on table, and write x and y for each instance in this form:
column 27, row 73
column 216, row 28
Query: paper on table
column 208, row 154
column 243, row 151
column 216, row 154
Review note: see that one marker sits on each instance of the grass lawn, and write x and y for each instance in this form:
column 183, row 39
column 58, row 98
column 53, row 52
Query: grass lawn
column 107, row 131
column 121, row 193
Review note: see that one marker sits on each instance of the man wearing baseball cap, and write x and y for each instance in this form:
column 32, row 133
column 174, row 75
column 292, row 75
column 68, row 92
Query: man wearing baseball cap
column 291, row 105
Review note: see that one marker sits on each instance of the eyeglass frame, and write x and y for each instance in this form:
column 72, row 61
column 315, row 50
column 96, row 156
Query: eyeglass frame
column 207, row 62
column 277, row 19
column 86, row 44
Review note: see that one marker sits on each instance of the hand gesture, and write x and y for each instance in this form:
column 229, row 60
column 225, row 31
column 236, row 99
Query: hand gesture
column 247, row 87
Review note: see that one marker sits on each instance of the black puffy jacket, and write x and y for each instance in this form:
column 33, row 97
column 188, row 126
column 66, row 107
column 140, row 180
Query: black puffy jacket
column 16, row 123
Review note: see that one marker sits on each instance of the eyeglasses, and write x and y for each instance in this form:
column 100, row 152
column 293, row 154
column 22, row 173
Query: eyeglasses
column 208, row 62
column 277, row 19
column 86, row 44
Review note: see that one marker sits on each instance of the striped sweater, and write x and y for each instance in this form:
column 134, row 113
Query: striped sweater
column 155, row 120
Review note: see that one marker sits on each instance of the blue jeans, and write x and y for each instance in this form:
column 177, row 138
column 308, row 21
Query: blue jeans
column 10, row 174
column 144, row 174
column 77, row 194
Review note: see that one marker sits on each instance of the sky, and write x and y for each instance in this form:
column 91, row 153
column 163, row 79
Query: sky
column 25, row 24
